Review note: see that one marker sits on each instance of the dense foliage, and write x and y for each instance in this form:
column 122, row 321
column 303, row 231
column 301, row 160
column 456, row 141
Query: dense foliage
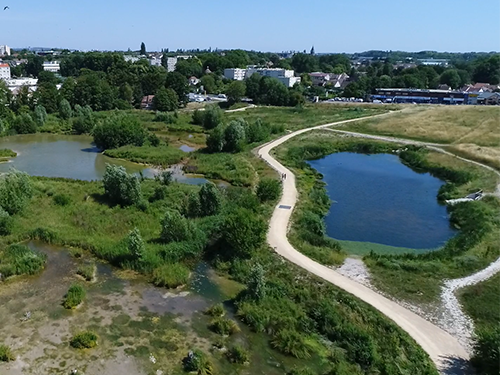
column 119, row 130
column 84, row 340
column 21, row 260
column 74, row 297
column 486, row 351
column 120, row 187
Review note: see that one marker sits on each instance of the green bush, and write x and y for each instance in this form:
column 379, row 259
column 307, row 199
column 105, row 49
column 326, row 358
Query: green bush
column 84, row 122
column 292, row 343
column 268, row 190
column 171, row 275
column 119, row 130
column 212, row 116
column 486, row 351
column 312, row 222
column 21, row 260
column 43, row 234
column 24, row 124
column 196, row 361
column 210, row 199
column 87, row 271
column 5, row 223
column 216, row 310
column 165, row 177
column 238, row 354
column 74, row 296
column 120, row 187
column 198, row 117
column 167, row 118
column 84, row 340
column 15, row 191
column 174, row 227
column 224, row 326
column 6, row 354
column 61, row 199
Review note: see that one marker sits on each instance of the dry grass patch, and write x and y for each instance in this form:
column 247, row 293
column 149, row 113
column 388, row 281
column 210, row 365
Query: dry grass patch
column 486, row 155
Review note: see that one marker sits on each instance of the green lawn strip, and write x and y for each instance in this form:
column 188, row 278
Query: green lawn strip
column 364, row 248
column 162, row 155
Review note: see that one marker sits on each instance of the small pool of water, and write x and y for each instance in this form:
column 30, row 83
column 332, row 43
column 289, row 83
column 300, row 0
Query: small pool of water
column 186, row 148
column 378, row 199
column 73, row 157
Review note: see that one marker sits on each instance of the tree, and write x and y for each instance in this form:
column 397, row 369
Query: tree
column 47, row 77
column 486, row 70
column 40, row 115
column 256, row 286
column 486, row 351
column 268, row 189
column 15, row 191
column 304, row 63
column 34, row 65
column 296, row 99
column 48, row 96
column 215, row 140
column 312, row 51
column 212, row 116
column 84, row 122
column 451, row 78
column 253, row 87
column 24, row 124
column 165, row 100
column 5, row 222
column 209, row 84
column 174, row 227
column 135, row 244
column 119, row 130
column 273, row 92
column 210, row 199
column 120, row 187
column 243, row 232
column 143, row 49
column 236, row 91
column 312, row 222
column 65, row 111
column 257, row 131
column 234, row 135
column 179, row 84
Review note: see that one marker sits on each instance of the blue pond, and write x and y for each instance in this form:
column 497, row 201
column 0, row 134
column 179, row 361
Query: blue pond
column 378, row 199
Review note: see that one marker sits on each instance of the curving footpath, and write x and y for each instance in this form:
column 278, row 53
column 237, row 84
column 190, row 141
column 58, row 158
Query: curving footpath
column 444, row 350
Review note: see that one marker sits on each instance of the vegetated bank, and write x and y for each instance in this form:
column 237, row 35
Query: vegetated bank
column 6, row 154
column 162, row 229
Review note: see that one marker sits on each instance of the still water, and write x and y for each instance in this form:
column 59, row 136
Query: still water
column 69, row 156
column 378, row 199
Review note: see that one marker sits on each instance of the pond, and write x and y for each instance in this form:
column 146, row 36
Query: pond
column 379, row 200
column 69, row 156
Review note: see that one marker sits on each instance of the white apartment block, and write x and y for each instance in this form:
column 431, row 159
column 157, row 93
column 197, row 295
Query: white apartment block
column 236, row 74
column 155, row 62
column 171, row 64
column 4, row 51
column 51, row 66
column 4, row 71
column 289, row 81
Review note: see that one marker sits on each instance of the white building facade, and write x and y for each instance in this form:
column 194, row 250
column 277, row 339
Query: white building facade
column 4, row 51
column 4, row 71
column 236, row 74
column 51, row 66
column 171, row 64
column 287, row 77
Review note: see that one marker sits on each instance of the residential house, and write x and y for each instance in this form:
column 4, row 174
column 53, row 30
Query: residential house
column 147, row 102
column 193, row 81
column 4, row 71
column 320, row 79
column 489, row 98
column 444, row 87
column 51, row 66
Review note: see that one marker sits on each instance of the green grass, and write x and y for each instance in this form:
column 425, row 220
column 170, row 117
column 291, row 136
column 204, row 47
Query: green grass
column 161, row 155
column 364, row 248
column 87, row 271
column 6, row 154
column 19, row 259
column 224, row 326
column 6, row 354
column 74, row 297
column 482, row 302
column 171, row 275
column 84, row 340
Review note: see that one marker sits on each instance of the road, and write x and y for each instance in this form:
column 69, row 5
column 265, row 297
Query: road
column 444, row 350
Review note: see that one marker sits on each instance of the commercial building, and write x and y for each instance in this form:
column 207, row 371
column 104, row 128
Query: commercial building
column 51, row 66
column 421, row 96
column 236, row 74
column 155, row 61
column 287, row 77
column 434, row 62
column 4, row 71
column 4, row 51
column 16, row 84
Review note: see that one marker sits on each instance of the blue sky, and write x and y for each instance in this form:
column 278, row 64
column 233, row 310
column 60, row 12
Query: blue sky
column 272, row 25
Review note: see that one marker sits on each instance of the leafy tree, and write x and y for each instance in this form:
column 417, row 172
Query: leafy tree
column 257, row 131
column 48, row 96
column 143, row 49
column 486, row 351
column 47, row 77
column 189, row 67
column 304, row 63
column 216, row 139
column 234, row 136
column 67, row 90
column 296, row 99
column 179, row 84
column 15, row 191
column 212, row 117
column 312, row 222
column 210, row 84
column 135, row 244
column 210, row 199
column 243, row 232
column 34, row 65
column 165, row 100
column 24, row 124
column 120, row 187
column 84, row 122
column 198, row 117
column 65, row 111
column 268, row 189
column 257, row 283
column 119, row 130
column 451, row 78
column 193, row 206
column 5, row 222
column 40, row 115
column 174, row 227
column 487, row 70
column 236, row 91
column 273, row 92
column 253, row 87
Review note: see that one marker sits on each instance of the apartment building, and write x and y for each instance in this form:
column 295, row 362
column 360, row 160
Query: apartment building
column 4, row 71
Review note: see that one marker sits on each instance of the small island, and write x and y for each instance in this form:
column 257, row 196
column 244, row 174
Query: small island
column 6, row 154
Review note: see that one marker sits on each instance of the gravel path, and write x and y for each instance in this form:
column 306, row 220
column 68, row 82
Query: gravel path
column 355, row 269
column 443, row 349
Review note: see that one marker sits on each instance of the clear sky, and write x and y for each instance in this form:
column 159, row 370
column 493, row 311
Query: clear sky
column 266, row 25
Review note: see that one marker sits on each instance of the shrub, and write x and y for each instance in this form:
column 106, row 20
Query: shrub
column 212, row 117
column 65, row 111
column 84, row 340
column 238, row 354
column 216, row 139
column 167, row 118
column 61, row 199
column 120, row 187
column 210, row 199
column 216, row 310
column 135, row 244
column 224, row 326
column 268, row 190
column 198, row 117
column 5, row 222
column 84, row 122
column 153, row 140
column 165, row 177
column 43, row 234
column 292, row 343
column 486, row 351
column 243, row 232
column 21, row 260
column 197, row 361
column 24, row 124
column 119, row 130
column 193, row 206
column 40, row 115
column 171, row 275
column 6, row 354
column 174, row 227
column 235, row 136
column 15, row 191
column 256, row 287
column 312, row 222
column 87, row 271
column 159, row 194
column 74, row 296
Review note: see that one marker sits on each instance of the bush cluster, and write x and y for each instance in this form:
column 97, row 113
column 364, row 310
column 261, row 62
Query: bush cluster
column 84, row 340
column 120, row 187
column 171, row 275
column 74, row 297
column 119, row 130
column 6, row 354
column 21, row 260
